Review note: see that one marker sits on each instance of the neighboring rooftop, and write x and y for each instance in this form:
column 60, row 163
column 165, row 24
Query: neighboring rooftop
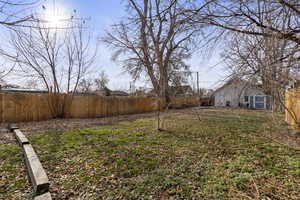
column 16, row 88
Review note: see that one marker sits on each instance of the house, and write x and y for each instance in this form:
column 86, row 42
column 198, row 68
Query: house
column 240, row 93
column 206, row 92
column 118, row 93
column 103, row 92
column 140, row 92
column 108, row 92
column 18, row 89
column 184, row 90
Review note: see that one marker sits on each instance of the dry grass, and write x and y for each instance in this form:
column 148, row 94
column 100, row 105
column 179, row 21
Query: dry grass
column 228, row 154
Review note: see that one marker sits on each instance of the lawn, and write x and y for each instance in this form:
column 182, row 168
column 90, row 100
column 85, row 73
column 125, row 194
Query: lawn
column 217, row 154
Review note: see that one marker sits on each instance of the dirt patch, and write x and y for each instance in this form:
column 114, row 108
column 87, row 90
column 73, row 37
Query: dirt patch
column 6, row 137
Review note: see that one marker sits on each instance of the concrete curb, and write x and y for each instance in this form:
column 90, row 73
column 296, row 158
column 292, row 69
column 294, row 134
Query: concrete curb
column 36, row 172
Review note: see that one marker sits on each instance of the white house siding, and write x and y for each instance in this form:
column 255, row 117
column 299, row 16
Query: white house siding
column 235, row 94
column 230, row 94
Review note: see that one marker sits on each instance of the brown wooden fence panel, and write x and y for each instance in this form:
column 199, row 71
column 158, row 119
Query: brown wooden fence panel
column 1, row 107
column 17, row 107
column 292, row 103
column 79, row 107
column 44, row 108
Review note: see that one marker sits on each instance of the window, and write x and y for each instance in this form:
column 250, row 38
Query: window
column 228, row 103
column 260, row 102
column 246, row 99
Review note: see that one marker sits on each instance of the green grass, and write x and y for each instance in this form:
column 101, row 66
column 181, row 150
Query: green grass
column 223, row 156
column 13, row 178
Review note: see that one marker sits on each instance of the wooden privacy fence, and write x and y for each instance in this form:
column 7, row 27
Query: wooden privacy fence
column 292, row 104
column 17, row 107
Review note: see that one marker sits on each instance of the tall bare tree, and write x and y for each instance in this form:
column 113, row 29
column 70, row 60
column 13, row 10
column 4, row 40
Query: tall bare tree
column 85, row 85
column 155, row 39
column 253, row 57
column 57, row 58
column 268, row 18
column 15, row 13
column 265, row 34
column 101, row 81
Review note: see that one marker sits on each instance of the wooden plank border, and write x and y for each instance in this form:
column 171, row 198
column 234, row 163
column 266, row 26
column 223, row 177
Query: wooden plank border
column 46, row 196
column 36, row 172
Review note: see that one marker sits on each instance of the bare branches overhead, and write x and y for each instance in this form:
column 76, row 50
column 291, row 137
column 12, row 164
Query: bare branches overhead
column 58, row 59
column 15, row 13
column 155, row 39
column 265, row 39
column 268, row 18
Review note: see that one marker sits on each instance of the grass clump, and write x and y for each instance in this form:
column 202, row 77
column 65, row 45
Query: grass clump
column 223, row 156
column 13, row 175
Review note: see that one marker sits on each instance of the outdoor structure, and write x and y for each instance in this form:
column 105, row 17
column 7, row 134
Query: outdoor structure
column 292, row 105
column 108, row 92
column 21, row 90
column 118, row 93
column 18, row 89
column 18, row 107
column 176, row 91
column 206, row 97
column 184, row 90
column 240, row 93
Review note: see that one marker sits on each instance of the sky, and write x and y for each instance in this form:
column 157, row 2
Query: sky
column 101, row 14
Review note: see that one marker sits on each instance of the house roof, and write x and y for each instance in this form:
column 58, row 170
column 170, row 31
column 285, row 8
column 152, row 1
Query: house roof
column 229, row 82
column 23, row 90
column 118, row 93
column 237, row 81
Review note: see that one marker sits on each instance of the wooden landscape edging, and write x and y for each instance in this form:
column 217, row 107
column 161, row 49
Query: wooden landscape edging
column 46, row 196
column 36, row 172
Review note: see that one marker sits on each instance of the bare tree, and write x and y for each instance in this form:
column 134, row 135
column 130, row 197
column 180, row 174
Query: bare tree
column 85, row 86
column 252, row 57
column 101, row 81
column 264, row 40
column 155, row 37
column 268, row 18
column 59, row 59
column 80, row 55
column 266, row 35
column 14, row 13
